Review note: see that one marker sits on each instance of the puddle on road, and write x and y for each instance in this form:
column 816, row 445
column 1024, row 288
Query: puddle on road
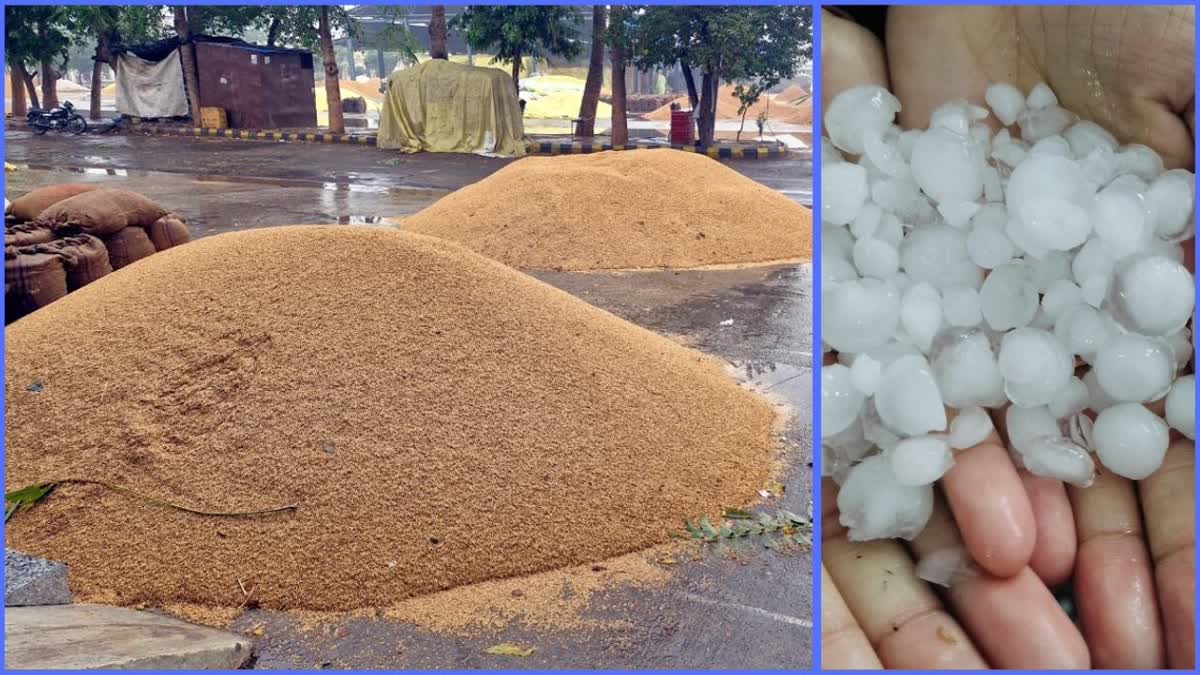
column 362, row 220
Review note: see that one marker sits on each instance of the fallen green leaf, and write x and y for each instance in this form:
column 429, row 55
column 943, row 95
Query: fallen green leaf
column 509, row 649
column 26, row 496
column 738, row 514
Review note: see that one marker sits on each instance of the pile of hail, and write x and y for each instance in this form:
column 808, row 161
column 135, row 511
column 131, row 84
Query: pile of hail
column 1037, row 275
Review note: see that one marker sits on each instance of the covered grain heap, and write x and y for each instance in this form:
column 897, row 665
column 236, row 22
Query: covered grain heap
column 437, row 418
column 620, row 210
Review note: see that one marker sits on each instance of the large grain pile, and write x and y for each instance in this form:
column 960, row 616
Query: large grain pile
column 438, row 418
column 779, row 110
column 620, row 210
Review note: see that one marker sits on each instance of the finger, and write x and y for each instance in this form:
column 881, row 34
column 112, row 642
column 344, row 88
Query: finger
column 1054, row 547
column 851, row 55
column 1168, row 502
column 1015, row 621
column 1114, row 586
column 843, row 644
column 898, row 613
column 991, row 507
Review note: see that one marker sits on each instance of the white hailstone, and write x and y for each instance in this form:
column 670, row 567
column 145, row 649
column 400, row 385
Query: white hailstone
column 958, row 214
column 1007, row 150
column 1038, row 124
column 890, row 229
column 1166, row 249
column 938, row 255
column 1059, row 458
column 1171, row 197
column 1056, row 224
column 964, row 365
column 960, row 305
column 1041, row 96
column 835, row 269
column 865, row 374
column 1092, row 260
column 885, row 155
column 1035, row 366
column 1083, row 330
column 1052, row 145
column 1135, row 368
column 1098, row 399
column 858, row 315
column 988, row 246
column 892, row 350
column 841, row 401
column 1086, row 137
column 905, row 142
column 993, row 189
column 1009, row 296
column 921, row 313
column 857, row 112
column 875, row 430
column 1140, row 161
column 1006, row 102
column 1180, row 343
column 1099, row 166
column 1070, row 400
column 1060, row 295
column 836, row 241
column 1130, row 440
column 908, row 399
column 843, row 192
column 1094, row 289
column 947, row 166
column 921, row 460
column 1152, row 295
column 970, row 427
column 1025, row 239
column 1119, row 220
column 829, row 153
column 899, row 196
column 1024, row 425
column 866, row 223
column 946, row 567
column 874, row 505
column 1181, row 406
column 875, row 258
column 1049, row 268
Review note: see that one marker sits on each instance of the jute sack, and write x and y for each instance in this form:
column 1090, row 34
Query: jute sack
column 84, row 258
column 170, row 230
column 31, row 280
column 31, row 205
column 127, row 246
column 26, row 234
column 101, row 212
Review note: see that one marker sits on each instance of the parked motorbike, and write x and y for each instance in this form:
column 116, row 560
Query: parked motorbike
column 63, row 118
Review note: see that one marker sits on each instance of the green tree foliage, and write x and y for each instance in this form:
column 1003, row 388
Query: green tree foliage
column 512, row 33
column 757, row 45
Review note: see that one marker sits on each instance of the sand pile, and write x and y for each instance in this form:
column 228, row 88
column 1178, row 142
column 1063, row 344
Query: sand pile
column 438, row 418
column 778, row 109
column 620, row 210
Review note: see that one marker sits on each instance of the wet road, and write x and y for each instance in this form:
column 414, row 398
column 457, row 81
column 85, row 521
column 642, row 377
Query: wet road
column 754, row 611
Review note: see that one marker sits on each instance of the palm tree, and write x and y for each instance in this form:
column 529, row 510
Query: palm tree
column 333, row 94
column 437, row 33
column 595, row 75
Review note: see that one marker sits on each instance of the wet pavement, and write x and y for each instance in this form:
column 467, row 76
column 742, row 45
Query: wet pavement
column 752, row 611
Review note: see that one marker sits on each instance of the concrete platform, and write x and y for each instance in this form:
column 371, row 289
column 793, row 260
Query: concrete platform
column 71, row 637
column 29, row 580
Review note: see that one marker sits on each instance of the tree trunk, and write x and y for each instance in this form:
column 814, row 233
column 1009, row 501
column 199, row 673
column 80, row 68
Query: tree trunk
column 17, row 87
column 333, row 93
column 690, row 80
column 437, row 33
column 620, row 127
column 187, row 56
column 273, row 32
column 516, row 72
column 49, row 84
column 710, row 85
column 595, row 75
column 30, row 87
column 97, row 83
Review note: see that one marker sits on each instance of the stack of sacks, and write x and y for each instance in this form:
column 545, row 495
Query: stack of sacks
column 63, row 237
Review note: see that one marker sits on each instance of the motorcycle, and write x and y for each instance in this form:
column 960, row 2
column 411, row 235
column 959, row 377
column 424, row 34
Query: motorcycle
column 64, row 118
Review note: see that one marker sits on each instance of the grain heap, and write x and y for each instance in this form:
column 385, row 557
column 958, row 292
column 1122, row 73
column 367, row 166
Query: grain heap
column 620, row 210
column 438, row 418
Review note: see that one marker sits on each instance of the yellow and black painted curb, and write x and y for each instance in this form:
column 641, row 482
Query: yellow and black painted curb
column 734, row 151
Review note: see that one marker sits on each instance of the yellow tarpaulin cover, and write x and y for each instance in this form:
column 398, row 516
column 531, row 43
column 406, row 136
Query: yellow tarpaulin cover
column 439, row 106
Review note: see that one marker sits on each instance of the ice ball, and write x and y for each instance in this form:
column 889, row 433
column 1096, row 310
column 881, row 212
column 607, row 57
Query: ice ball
column 908, row 399
column 921, row 460
column 1130, row 440
column 1181, row 406
column 874, row 505
column 857, row 112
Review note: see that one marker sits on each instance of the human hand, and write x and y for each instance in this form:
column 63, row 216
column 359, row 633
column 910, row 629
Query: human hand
column 1133, row 587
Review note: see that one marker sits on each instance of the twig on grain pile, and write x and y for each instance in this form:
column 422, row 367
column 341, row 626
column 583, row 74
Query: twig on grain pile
column 32, row 494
